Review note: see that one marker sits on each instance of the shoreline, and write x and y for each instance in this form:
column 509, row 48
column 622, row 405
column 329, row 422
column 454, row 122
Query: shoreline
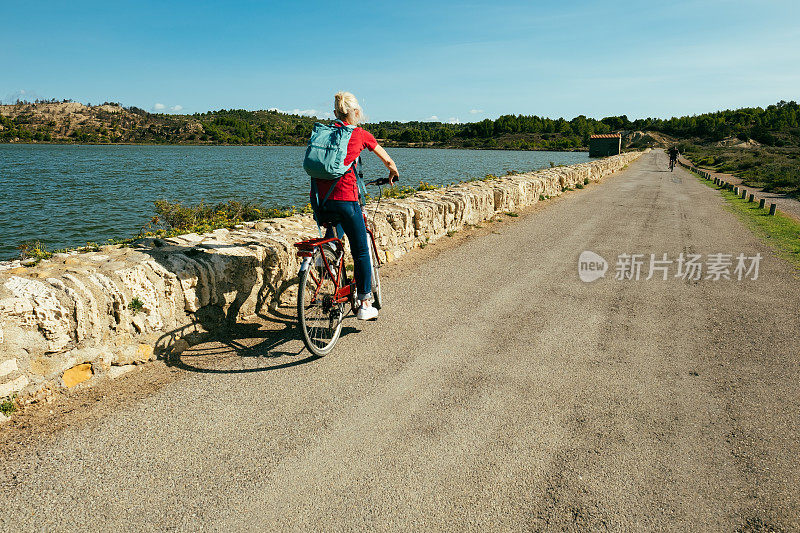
column 412, row 145
column 13, row 256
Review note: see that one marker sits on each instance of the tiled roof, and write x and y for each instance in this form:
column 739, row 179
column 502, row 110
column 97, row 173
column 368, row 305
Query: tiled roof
column 605, row 136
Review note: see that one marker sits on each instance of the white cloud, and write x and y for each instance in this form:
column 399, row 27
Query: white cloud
column 475, row 111
column 453, row 120
column 176, row 108
column 159, row 107
column 432, row 118
column 303, row 112
column 21, row 94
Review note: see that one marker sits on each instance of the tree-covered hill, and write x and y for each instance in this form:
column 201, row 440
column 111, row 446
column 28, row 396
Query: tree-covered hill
column 71, row 122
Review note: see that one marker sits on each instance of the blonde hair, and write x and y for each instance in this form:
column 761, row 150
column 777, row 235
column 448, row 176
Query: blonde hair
column 345, row 107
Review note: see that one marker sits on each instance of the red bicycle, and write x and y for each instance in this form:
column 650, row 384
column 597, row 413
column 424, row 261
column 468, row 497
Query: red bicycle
column 325, row 289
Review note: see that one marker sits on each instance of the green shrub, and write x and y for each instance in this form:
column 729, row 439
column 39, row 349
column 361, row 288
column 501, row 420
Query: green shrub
column 35, row 250
column 8, row 406
column 136, row 306
column 399, row 191
column 425, row 186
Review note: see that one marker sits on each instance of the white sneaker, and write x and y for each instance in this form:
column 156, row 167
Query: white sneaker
column 367, row 312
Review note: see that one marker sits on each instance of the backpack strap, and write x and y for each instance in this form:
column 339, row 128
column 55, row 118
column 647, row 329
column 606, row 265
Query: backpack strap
column 362, row 190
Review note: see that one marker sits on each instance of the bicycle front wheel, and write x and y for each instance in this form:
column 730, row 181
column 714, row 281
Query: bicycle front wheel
column 320, row 318
column 376, row 279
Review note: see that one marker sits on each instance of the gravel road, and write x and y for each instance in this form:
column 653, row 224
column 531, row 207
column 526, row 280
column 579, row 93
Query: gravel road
column 497, row 391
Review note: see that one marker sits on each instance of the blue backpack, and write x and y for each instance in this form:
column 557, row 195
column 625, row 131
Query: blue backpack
column 325, row 155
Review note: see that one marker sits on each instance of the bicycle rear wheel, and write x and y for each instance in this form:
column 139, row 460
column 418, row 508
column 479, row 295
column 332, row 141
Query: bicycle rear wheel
column 320, row 318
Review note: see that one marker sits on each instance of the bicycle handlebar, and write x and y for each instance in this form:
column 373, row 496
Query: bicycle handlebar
column 383, row 181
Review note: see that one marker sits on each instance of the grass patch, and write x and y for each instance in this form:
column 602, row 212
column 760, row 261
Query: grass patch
column 511, row 214
column 425, row 186
column 34, row 250
column 176, row 218
column 779, row 231
column 399, row 191
column 452, row 232
column 773, row 168
column 8, row 406
column 136, row 306
column 579, row 185
column 204, row 217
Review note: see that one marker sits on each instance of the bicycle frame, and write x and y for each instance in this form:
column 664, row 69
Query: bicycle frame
column 337, row 273
column 325, row 287
column 307, row 248
column 372, row 242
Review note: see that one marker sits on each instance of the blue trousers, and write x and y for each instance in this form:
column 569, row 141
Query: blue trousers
column 350, row 222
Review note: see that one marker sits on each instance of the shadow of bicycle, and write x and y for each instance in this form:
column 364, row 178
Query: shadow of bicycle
column 251, row 347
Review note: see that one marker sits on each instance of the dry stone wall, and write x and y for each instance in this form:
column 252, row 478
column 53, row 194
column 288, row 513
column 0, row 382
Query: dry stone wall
column 83, row 316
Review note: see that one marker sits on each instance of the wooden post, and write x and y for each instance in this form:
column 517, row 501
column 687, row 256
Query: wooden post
column 744, row 193
column 772, row 208
column 752, row 197
column 762, row 203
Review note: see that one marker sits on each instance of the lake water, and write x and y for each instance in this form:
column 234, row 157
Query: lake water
column 73, row 194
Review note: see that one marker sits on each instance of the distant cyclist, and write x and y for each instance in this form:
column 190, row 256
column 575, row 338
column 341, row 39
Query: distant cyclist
column 673, row 157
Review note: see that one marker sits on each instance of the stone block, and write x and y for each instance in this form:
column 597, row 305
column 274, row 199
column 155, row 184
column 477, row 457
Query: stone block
column 179, row 347
column 13, row 386
column 77, row 374
column 7, row 367
column 117, row 371
column 130, row 355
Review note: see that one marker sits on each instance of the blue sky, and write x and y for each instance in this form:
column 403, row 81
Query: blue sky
column 407, row 60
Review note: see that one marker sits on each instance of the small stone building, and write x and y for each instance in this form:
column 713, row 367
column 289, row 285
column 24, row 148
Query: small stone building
column 605, row 144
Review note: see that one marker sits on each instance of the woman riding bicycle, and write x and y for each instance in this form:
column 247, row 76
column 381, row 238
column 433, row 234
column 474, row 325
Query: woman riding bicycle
column 342, row 206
